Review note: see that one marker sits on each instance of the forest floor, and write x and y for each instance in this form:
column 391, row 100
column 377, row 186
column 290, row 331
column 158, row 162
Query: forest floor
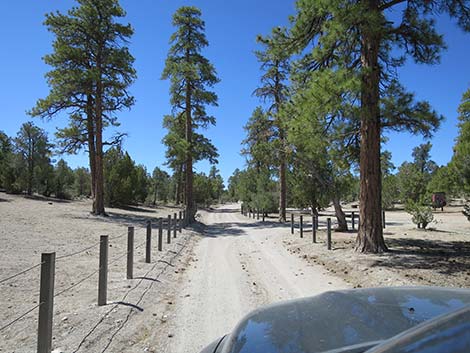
column 202, row 284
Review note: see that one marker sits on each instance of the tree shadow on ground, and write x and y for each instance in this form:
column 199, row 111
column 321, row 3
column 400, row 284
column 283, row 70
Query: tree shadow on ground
column 4, row 200
column 45, row 199
column 444, row 257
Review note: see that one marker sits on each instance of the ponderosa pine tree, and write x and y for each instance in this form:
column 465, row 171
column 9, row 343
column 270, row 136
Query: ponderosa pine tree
column 359, row 36
column 275, row 66
column 92, row 70
column 190, row 75
column 460, row 163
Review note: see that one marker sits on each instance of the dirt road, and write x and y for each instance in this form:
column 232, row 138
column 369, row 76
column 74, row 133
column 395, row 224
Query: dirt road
column 239, row 265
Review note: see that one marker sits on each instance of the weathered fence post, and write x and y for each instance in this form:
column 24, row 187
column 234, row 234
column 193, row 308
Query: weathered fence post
column 314, row 229
column 168, row 236
column 160, row 234
column 383, row 219
column 328, row 233
column 301, row 226
column 148, row 246
column 353, row 215
column 291, row 223
column 180, row 222
column 241, row 209
column 175, row 225
column 103, row 271
column 46, row 302
column 130, row 252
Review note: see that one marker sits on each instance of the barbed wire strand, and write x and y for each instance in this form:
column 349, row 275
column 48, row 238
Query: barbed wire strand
column 20, row 317
column 20, row 273
column 116, row 305
column 78, row 252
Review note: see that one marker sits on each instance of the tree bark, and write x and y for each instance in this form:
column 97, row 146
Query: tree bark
column 91, row 146
column 370, row 234
column 340, row 216
column 282, row 185
column 189, row 156
column 99, row 181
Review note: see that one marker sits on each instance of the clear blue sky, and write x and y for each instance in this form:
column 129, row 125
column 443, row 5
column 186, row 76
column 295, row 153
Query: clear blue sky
column 231, row 28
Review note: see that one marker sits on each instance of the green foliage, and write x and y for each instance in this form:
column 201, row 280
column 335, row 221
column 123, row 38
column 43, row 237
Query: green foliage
column 82, row 182
column 460, row 163
column 125, row 183
column 421, row 215
column 159, row 186
column 64, row 180
column 443, row 180
column 6, row 160
column 216, row 186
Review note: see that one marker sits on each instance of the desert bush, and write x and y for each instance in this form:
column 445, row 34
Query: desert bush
column 421, row 214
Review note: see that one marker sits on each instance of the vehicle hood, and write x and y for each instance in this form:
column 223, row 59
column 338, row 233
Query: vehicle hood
column 335, row 320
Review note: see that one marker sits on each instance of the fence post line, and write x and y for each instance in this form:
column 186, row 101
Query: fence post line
column 291, row 223
column 103, row 271
column 160, row 234
column 328, row 233
column 383, row 219
column 180, row 222
column 314, row 229
column 130, row 252
column 175, row 224
column 46, row 302
column 148, row 245
column 168, row 237
column 353, row 215
column 301, row 226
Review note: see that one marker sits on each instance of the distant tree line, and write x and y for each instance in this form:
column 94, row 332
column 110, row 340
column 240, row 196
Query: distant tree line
column 27, row 167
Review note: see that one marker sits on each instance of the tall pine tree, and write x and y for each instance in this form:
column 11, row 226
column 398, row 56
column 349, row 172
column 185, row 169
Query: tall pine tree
column 191, row 76
column 92, row 71
column 361, row 37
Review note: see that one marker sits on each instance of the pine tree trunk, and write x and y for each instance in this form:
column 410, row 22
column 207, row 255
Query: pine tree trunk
column 30, row 167
column 99, row 186
column 189, row 158
column 283, row 188
column 340, row 216
column 91, row 146
column 370, row 234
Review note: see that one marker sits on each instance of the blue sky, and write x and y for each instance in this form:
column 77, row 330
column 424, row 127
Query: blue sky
column 231, row 28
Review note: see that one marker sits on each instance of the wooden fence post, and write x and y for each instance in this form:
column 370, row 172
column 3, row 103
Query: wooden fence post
column 353, row 216
column 148, row 246
column 103, row 271
column 291, row 223
column 180, row 222
column 130, row 252
column 175, row 225
column 160, row 234
column 328, row 233
column 168, row 236
column 314, row 229
column 301, row 226
column 46, row 302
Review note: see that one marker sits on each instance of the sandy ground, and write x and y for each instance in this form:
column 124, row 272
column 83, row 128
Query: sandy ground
column 238, row 265
column 203, row 283
column 29, row 227
column 438, row 256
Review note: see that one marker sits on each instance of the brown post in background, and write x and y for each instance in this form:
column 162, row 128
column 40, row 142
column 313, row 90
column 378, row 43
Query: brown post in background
column 353, row 216
column 291, row 223
column 130, row 252
column 175, row 225
column 301, row 226
column 103, row 271
column 160, row 234
column 180, row 222
column 168, row 238
column 46, row 302
column 148, row 246
column 328, row 233
column 314, row 229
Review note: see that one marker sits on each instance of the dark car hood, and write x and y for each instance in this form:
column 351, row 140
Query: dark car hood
column 339, row 319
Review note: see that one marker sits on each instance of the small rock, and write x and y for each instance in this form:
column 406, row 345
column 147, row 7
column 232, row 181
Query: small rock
column 170, row 335
column 65, row 318
column 254, row 283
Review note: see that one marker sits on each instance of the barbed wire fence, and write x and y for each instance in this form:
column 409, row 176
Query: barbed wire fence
column 47, row 294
